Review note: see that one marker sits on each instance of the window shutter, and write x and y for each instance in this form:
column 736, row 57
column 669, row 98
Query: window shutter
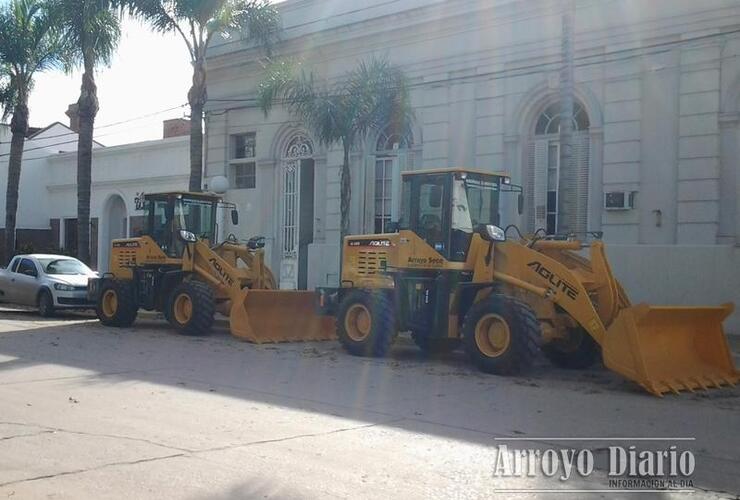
column 399, row 165
column 539, row 194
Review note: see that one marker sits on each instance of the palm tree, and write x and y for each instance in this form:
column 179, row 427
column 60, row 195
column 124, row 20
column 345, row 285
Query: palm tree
column 197, row 21
column 370, row 97
column 28, row 44
column 91, row 30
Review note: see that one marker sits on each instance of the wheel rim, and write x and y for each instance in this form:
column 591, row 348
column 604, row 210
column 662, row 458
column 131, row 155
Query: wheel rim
column 183, row 308
column 110, row 303
column 357, row 322
column 492, row 335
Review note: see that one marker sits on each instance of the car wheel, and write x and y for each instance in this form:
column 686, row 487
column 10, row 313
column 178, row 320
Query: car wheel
column 46, row 304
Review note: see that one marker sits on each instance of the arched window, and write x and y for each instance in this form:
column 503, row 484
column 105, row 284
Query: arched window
column 558, row 194
column 392, row 141
column 299, row 147
column 393, row 154
column 549, row 120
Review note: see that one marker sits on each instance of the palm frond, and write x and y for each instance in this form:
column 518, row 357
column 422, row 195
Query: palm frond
column 372, row 96
column 160, row 15
column 8, row 97
column 90, row 30
column 273, row 86
column 259, row 19
column 28, row 43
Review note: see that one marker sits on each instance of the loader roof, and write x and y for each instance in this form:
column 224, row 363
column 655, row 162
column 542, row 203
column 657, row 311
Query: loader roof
column 189, row 194
column 445, row 170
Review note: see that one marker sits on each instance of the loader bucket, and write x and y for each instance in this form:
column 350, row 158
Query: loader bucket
column 263, row 316
column 666, row 348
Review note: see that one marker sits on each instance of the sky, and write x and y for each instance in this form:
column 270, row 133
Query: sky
column 150, row 73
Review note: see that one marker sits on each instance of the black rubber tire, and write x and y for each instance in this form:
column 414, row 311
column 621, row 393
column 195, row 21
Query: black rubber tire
column 525, row 335
column 432, row 346
column 580, row 357
column 204, row 307
column 382, row 324
column 127, row 309
column 167, row 313
column 46, row 304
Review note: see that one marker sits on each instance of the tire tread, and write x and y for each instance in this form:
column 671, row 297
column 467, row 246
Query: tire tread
column 127, row 307
column 204, row 308
column 383, row 324
column 525, row 330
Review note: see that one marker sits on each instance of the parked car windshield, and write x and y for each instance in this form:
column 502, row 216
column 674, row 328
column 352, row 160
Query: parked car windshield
column 63, row 266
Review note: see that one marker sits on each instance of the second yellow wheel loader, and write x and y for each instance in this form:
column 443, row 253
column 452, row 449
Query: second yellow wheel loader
column 449, row 274
column 176, row 268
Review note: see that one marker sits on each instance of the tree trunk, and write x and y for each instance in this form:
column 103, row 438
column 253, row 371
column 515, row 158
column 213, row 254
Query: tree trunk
column 197, row 98
column 88, row 109
column 19, row 128
column 346, row 192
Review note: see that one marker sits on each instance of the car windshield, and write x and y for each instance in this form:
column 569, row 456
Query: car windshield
column 63, row 266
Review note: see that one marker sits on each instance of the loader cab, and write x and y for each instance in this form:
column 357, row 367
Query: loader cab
column 167, row 214
column 445, row 207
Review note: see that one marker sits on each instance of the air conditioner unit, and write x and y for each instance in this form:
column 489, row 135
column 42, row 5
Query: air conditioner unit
column 619, row 200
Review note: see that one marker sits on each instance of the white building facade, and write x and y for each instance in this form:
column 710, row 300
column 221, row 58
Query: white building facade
column 657, row 108
column 657, row 96
column 121, row 175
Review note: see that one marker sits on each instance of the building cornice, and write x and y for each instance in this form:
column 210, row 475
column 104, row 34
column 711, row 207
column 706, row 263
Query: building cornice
column 170, row 142
column 122, row 182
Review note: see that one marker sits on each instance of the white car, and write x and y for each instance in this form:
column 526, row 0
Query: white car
column 48, row 282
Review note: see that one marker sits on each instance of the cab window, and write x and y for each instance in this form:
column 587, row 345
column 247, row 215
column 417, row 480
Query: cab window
column 160, row 217
column 431, row 213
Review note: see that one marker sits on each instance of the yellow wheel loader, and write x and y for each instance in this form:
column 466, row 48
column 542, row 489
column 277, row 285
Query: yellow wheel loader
column 449, row 275
column 175, row 268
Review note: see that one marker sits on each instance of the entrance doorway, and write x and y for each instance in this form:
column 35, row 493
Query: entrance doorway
column 297, row 213
column 114, row 226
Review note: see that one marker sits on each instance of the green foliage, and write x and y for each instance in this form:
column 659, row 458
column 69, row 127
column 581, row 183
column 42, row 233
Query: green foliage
column 29, row 43
column 90, row 30
column 370, row 97
column 197, row 21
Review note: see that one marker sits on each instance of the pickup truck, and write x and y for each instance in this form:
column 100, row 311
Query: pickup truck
column 48, row 282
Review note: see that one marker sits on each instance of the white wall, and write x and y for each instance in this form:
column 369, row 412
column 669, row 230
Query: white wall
column 680, row 275
column 654, row 118
column 33, row 208
column 125, row 171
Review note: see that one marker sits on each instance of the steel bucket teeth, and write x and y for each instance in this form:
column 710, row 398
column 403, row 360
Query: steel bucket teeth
column 671, row 349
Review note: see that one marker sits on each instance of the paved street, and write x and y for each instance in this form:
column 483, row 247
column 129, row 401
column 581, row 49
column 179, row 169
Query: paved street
column 90, row 412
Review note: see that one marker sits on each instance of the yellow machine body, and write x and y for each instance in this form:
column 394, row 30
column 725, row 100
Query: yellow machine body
column 243, row 286
column 662, row 348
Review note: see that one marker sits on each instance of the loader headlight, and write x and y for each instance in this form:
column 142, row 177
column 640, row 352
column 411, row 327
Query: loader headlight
column 493, row 233
column 63, row 288
column 187, row 236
